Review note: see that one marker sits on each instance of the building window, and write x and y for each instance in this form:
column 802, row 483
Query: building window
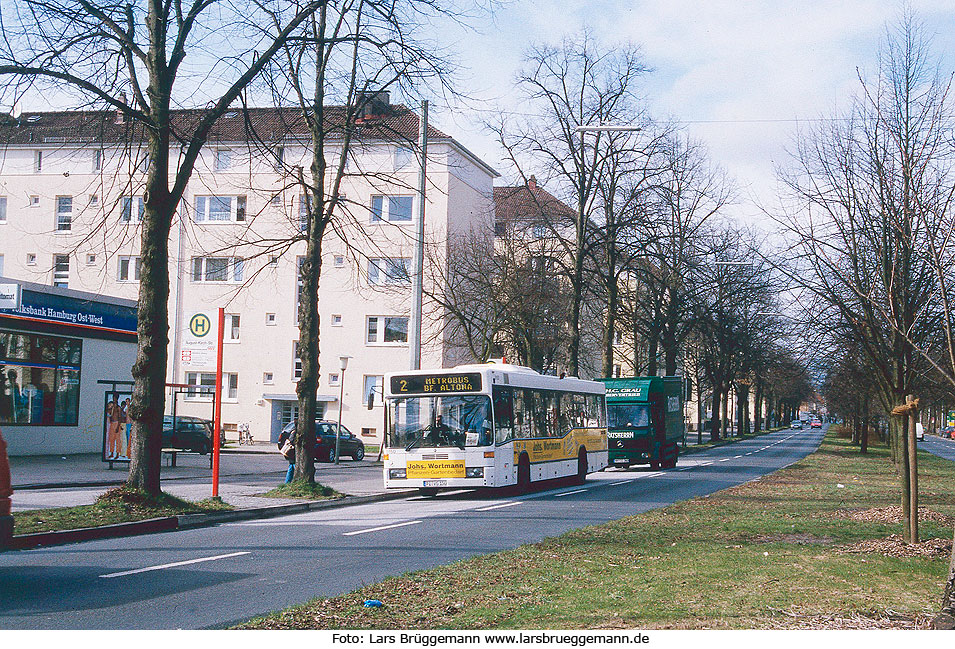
column 616, row 371
column 202, row 386
column 389, row 270
column 230, row 387
column 338, row 261
column 269, row 319
column 404, row 155
column 296, row 362
column 302, row 213
column 372, row 385
column 34, row 200
column 127, row 213
column 90, row 260
column 232, row 327
column 334, row 379
column 129, row 269
column 223, row 159
column 279, row 154
column 94, row 200
column 273, row 261
column 61, row 271
column 64, row 213
column 3, row 209
column 336, row 320
column 98, row 160
column 618, row 338
column 391, row 208
column 37, row 161
column 219, row 209
column 276, row 199
column 40, row 383
column 386, row 330
column 369, row 432
column 290, row 412
column 31, row 259
column 268, row 378
column 217, row 269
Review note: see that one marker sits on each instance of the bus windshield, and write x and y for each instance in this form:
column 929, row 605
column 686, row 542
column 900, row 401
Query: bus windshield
column 624, row 415
column 446, row 421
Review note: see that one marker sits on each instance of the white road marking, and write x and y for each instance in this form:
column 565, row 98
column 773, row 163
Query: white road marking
column 750, row 453
column 705, row 463
column 614, row 484
column 725, row 459
column 171, row 565
column 569, row 493
column 737, row 457
column 378, row 529
column 487, row 509
column 653, row 475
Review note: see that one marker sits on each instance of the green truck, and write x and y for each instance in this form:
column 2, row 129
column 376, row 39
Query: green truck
column 645, row 423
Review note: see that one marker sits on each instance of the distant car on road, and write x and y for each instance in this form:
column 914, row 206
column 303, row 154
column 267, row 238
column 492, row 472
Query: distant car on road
column 946, row 432
column 919, row 431
column 815, row 424
column 349, row 444
column 796, row 425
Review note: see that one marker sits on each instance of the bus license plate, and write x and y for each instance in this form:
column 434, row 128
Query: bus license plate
column 436, row 483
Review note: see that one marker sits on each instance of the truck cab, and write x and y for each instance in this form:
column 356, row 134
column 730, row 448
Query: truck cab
column 645, row 423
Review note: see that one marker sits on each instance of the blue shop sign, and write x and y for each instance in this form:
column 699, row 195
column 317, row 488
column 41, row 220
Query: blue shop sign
column 72, row 311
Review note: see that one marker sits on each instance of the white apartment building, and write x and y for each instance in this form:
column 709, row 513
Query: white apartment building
column 70, row 207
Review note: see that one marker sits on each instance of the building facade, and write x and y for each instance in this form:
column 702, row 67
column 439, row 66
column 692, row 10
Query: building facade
column 71, row 204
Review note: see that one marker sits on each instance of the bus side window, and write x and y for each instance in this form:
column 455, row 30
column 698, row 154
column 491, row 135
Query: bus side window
column 503, row 414
column 521, row 414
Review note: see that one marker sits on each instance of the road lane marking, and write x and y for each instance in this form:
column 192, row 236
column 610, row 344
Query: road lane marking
column 614, row 484
column 725, row 459
column 737, row 457
column 653, row 475
column 569, row 493
column 171, row 565
column 487, row 509
column 704, row 463
column 382, row 527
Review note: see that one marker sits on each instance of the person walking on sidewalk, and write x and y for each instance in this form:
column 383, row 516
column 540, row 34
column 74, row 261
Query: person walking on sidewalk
column 287, row 449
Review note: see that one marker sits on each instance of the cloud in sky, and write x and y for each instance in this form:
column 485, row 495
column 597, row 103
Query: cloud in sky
column 738, row 74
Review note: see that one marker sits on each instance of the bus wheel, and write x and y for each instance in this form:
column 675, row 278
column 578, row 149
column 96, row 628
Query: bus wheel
column 427, row 491
column 523, row 474
column 581, row 466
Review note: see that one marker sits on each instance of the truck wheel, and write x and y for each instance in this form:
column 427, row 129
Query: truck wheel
column 524, row 474
column 581, row 466
column 671, row 456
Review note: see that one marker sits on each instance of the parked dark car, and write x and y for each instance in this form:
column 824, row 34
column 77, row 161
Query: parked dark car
column 349, row 444
column 946, row 432
column 188, row 434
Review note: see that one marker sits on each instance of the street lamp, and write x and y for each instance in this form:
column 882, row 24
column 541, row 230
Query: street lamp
column 602, row 128
column 343, row 364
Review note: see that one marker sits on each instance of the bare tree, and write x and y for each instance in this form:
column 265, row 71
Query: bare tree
column 579, row 83
column 103, row 52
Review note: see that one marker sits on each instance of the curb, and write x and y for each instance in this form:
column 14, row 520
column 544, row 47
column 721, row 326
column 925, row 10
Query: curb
column 189, row 521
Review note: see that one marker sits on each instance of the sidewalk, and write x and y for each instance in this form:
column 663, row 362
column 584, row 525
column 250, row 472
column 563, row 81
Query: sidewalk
column 61, row 481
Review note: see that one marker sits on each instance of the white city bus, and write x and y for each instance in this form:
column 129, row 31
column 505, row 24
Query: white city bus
column 491, row 425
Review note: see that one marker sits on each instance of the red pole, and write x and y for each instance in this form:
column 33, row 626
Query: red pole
column 217, row 427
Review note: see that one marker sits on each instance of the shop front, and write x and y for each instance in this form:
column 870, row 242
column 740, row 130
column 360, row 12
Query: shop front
column 56, row 344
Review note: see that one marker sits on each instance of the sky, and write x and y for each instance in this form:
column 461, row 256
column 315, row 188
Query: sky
column 742, row 76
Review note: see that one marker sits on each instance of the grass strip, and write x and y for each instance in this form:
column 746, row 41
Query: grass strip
column 304, row 491
column 120, row 505
column 784, row 551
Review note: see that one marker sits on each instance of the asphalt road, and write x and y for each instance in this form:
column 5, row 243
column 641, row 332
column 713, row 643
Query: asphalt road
column 944, row 448
column 217, row 576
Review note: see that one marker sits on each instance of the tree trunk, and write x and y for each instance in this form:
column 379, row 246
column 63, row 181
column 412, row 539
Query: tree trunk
column 864, row 437
column 758, row 409
column 610, row 326
column 653, row 346
column 715, row 418
column 912, row 453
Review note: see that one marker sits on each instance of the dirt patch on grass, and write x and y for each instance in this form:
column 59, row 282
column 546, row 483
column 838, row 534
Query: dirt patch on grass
column 798, row 539
column 868, row 620
column 892, row 515
column 894, row 546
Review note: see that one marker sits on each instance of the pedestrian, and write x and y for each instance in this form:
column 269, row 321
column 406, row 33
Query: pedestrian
column 287, row 449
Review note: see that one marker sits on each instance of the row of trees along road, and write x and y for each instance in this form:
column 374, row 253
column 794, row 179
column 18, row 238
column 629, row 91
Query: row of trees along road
column 144, row 59
column 626, row 251
column 872, row 234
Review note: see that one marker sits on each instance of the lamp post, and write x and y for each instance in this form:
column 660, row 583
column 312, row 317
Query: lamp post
column 343, row 364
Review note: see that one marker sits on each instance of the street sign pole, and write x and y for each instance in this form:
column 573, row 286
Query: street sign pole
column 217, row 427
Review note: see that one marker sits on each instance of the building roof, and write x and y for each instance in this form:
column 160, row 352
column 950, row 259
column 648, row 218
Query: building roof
column 272, row 125
column 528, row 204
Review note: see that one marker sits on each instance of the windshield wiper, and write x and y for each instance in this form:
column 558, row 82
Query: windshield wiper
column 415, row 441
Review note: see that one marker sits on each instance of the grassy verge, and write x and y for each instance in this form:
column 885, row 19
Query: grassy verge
column 304, row 491
column 115, row 506
column 803, row 548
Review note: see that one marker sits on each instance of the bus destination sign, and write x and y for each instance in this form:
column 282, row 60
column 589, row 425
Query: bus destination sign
column 438, row 384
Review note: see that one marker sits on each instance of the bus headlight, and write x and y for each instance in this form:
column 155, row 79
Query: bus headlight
column 474, row 472
column 396, row 474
